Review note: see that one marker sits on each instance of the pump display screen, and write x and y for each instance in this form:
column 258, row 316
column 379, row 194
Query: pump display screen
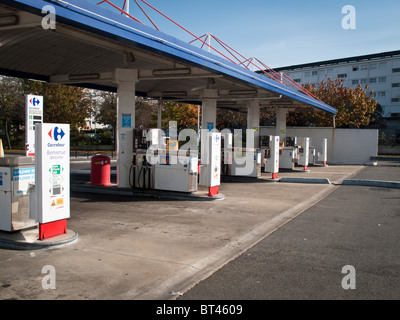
column 56, row 190
column 139, row 141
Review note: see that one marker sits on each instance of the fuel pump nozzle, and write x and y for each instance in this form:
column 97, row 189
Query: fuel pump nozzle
column 132, row 170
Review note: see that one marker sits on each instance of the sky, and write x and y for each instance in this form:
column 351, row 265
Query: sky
column 282, row 32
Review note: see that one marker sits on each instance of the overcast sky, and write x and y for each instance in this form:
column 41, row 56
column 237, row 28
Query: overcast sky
column 282, row 32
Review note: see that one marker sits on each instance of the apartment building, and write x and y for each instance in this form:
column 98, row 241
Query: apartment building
column 380, row 71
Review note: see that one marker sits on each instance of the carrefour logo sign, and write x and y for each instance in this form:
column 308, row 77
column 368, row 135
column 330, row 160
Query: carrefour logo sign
column 34, row 101
column 56, row 134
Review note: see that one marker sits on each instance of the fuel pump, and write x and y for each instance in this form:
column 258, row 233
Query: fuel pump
column 157, row 163
column 265, row 145
column 303, row 152
column 141, row 172
column 288, row 153
column 312, row 158
column 295, row 151
column 226, row 153
column 210, row 174
column 291, row 142
column 246, row 162
column 324, row 154
column 270, row 154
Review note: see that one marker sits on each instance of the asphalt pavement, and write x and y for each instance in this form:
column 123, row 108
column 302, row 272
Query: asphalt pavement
column 138, row 248
column 353, row 226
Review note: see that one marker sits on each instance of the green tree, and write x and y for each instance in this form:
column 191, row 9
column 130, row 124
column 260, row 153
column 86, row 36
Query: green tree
column 107, row 108
column 12, row 108
column 184, row 114
column 355, row 107
column 230, row 119
column 62, row 104
column 146, row 112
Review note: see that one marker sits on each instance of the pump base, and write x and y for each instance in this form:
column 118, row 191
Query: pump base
column 52, row 229
column 213, row 191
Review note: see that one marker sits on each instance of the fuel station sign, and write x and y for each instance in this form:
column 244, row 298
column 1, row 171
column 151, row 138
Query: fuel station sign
column 52, row 172
column 34, row 115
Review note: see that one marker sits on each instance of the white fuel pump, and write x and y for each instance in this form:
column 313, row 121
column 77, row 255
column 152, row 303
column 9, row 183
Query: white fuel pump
column 226, row 153
column 270, row 154
column 246, row 162
column 159, row 164
column 312, row 158
column 323, row 156
column 210, row 173
column 303, row 152
column 288, row 153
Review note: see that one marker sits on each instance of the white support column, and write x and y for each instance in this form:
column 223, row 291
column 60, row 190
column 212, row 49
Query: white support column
column 253, row 120
column 126, row 80
column 208, row 120
column 281, row 115
column 208, row 123
column 209, row 114
column 209, row 108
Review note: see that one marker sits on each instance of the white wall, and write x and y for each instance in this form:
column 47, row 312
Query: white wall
column 345, row 146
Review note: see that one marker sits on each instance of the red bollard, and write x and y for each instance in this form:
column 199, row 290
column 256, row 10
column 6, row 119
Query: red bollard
column 100, row 172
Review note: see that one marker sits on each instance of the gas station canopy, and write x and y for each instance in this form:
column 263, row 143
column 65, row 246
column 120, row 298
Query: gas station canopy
column 90, row 42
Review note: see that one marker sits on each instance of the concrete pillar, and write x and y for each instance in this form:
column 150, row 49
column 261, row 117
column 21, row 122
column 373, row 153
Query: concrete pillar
column 208, row 123
column 281, row 123
column 126, row 80
column 253, row 120
column 209, row 108
column 209, row 114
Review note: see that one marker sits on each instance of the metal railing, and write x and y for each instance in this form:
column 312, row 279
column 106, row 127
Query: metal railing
column 88, row 151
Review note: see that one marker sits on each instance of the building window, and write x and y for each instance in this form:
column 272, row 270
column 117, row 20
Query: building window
column 395, row 115
column 381, row 94
column 372, row 80
column 382, row 79
column 356, row 69
column 354, row 82
column 314, row 73
column 364, row 81
column 396, row 69
column 364, row 67
column 372, row 66
column 341, row 76
column 395, row 85
column 297, row 80
column 394, row 100
column 307, row 74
